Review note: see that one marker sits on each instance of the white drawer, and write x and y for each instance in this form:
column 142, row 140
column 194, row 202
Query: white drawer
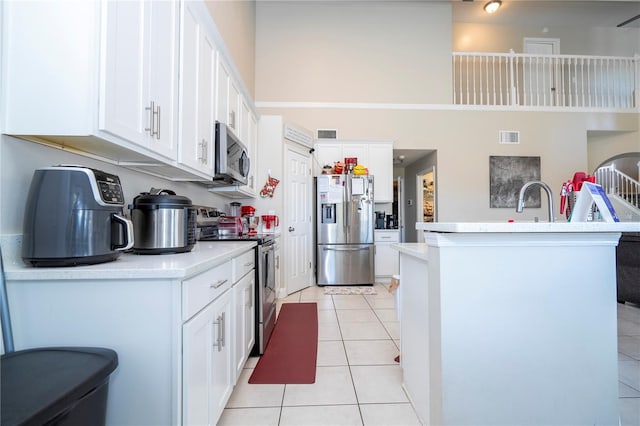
column 387, row 236
column 200, row 290
column 243, row 264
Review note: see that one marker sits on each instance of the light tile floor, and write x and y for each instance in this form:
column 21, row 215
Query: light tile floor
column 359, row 383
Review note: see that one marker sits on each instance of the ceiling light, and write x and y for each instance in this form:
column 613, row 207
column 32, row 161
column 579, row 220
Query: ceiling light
column 492, row 6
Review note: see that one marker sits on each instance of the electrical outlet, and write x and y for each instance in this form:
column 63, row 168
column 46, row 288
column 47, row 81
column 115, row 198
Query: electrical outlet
column 409, row 202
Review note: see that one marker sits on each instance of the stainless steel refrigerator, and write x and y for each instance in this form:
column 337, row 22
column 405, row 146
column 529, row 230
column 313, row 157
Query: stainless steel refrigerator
column 344, row 230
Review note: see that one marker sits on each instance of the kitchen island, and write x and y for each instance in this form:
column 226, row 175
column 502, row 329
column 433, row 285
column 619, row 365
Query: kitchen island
column 511, row 323
column 160, row 313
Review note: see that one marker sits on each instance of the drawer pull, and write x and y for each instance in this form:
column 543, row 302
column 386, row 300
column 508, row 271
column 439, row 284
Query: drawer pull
column 218, row 284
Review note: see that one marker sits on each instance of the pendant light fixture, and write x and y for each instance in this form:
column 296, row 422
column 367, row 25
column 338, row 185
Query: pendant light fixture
column 492, row 6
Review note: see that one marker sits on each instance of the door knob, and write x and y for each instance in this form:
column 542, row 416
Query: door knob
column 291, row 229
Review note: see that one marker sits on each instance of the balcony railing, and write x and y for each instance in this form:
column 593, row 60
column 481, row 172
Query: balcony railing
column 551, row 81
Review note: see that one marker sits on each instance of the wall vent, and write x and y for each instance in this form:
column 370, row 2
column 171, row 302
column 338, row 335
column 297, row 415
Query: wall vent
column 509, row 136
column 299, row 136
column 327, row 134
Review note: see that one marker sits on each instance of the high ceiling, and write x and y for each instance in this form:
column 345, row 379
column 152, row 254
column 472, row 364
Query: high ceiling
column 549, row 13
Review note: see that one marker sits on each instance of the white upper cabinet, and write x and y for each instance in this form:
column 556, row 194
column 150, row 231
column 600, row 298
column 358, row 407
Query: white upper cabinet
column 327, row 154
column 136, row 83
column 197, row 83
column 138, row 98
column 380, row 165
column 222, row 90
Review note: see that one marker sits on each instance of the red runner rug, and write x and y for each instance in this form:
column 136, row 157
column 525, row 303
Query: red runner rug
column 290, row 355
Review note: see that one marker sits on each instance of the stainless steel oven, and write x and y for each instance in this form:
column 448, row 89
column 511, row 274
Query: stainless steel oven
column 265, row 294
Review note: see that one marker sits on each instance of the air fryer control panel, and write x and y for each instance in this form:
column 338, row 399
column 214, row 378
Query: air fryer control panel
column 109, row 187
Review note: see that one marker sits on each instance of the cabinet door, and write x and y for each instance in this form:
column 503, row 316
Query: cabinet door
column 162, row 74
column 222, row 91
column 358, row 150
column 387, row 259
column 327, row 154
column 252, row 146
column 244, row 327
column 124, row 98
column 198, row 341
column 381, row 167
column 235, row 102
column 138, row 102
column 207, row 367
column 197, row 66
column 222, row 370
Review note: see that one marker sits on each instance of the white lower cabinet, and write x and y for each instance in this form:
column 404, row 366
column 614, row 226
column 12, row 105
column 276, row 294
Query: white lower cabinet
column 207, row 373
column 171, row 319
column 387, row 259
column 207, row 346
column 218, row 339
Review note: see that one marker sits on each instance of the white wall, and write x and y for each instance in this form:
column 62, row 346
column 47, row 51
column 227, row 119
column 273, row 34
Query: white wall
column 19, row 158
column 342, row 51
column 236, row 23
column 469, row 37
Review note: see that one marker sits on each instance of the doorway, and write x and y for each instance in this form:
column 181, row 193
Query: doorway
column 540, row 73
column 297, row 224
column 426, row 198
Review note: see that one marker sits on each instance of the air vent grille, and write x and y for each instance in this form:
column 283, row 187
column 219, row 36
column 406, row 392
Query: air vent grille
column 509, row 136
column 327, row 134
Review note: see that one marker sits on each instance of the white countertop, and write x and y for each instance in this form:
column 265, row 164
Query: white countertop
column 204, row 255
column 418, row 250
column 528, row 227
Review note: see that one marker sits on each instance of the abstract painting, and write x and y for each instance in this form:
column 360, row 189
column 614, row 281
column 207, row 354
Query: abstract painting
column 507, row 174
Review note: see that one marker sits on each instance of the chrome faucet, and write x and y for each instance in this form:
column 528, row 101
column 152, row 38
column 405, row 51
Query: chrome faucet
column 544, row 186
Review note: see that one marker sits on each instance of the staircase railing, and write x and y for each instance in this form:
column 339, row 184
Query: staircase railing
column 613, row 181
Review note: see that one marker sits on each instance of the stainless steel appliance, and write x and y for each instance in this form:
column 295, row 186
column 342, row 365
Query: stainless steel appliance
column 380, row 220
column 344, row 230
column 265, row 284
column 163, row 222
column 232, row 158
column 74, row 216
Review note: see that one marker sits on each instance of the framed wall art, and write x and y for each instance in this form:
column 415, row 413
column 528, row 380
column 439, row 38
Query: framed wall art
column 507, row 174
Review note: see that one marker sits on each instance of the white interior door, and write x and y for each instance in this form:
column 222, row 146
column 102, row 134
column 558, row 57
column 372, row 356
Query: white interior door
column 297, row 229
column 540, row 73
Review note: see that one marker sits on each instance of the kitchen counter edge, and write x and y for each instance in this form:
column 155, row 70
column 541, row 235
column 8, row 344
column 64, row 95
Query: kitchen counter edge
column 205, row 255
column 417, row 250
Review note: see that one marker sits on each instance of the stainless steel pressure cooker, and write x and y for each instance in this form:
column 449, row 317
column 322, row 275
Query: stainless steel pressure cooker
column 163, row 222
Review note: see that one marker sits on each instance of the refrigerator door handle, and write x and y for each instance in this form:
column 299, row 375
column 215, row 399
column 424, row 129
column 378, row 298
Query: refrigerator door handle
column 345, row 249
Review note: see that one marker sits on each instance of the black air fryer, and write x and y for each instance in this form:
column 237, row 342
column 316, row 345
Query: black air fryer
column 73, row 216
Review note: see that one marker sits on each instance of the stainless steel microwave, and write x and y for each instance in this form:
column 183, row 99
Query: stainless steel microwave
column 232, row 158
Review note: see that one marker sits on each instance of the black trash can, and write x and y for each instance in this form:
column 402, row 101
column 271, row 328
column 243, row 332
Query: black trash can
column 56, row 386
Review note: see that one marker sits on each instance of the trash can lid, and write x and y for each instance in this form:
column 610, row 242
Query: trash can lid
column 37, row 384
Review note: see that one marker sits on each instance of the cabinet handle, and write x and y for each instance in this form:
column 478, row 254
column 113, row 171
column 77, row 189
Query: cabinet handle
column 249, row 303
column 158, row 123
column 217, row 339
column 202, row 157
column 205, row 154
column 277, row 262
column 152, row 113
column 223, row 326
column 232, row 119
column 218, row 284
